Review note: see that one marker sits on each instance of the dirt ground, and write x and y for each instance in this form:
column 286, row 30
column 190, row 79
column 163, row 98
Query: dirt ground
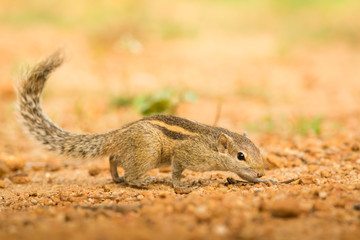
column 299, row 103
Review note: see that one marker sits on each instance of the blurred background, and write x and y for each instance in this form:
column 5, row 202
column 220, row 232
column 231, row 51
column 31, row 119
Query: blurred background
column 267, row 66
column 285, row 71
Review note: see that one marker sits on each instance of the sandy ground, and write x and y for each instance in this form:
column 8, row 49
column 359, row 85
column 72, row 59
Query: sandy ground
column 275, row 98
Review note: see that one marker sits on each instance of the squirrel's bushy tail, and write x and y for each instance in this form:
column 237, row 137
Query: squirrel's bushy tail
column 39, row 126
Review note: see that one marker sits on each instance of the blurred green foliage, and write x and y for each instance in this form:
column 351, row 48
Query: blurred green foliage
column 162, row 102
column 304, row 126
column 292, row 22
column 94, row 18
column 301, row 125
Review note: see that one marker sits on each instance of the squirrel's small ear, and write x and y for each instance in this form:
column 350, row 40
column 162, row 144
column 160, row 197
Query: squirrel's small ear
column 224, row 143
column 245, row 134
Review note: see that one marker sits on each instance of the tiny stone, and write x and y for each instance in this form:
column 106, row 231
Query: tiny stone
column 33, row 194
column 285, row 208
column 340, row 204
column 355, row 148
column 94, row 171
column 220, row 230
column 53, row 167
column 4, row 169
column 322, row 195
column 273, row 161
column 325, row 174
column 37, row 168
column 163, row 194
column 202, row 212
column 357, row 207
column 13, row 162
column 20, row 179
column 106, row 188
column 182, row 190
column 308, row 179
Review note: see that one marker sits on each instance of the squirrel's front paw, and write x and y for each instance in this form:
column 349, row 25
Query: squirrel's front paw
column 269, row 181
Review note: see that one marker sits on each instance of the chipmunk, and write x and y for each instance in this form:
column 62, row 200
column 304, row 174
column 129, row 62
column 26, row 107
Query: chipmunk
column 140, row 146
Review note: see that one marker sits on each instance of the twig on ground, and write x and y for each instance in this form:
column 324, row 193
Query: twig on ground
column 290, row 180
column 243, row 183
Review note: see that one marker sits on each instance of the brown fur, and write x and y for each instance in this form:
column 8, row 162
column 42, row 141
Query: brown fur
column 140, row 146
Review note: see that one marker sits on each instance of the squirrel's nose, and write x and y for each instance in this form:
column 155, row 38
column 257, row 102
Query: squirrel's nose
column 259, row 175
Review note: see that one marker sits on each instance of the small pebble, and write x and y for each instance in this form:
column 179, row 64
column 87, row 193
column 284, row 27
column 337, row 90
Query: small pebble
column 182, row 190
column 357, row 207
column 273, row 161
column 322, row 195
column 202, row 212
column 163, row 194
column 13, row 162
column 33, row 194
column 20, row 179
column 221, row 230
column 93, row 171
column 355, row 148
column 106, row 188
column 53, row 166
column 285, row 208
column 4, row 169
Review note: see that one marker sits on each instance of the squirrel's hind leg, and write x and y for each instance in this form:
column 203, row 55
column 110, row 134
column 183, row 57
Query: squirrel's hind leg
column 139, row 153
column 132, row 176
column 137, row 165
column 113, row 169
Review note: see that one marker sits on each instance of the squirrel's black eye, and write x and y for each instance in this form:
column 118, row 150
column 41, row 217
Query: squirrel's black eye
column 241, row 156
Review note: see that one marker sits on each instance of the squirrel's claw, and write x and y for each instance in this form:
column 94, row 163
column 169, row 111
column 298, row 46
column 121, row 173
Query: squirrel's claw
column 267, row 181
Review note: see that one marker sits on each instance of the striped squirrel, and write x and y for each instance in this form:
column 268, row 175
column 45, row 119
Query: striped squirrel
column 140, row 146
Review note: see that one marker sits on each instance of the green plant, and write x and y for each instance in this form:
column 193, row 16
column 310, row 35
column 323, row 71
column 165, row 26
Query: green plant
column 305, row 125
column 162, row 102
column 122, row 101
